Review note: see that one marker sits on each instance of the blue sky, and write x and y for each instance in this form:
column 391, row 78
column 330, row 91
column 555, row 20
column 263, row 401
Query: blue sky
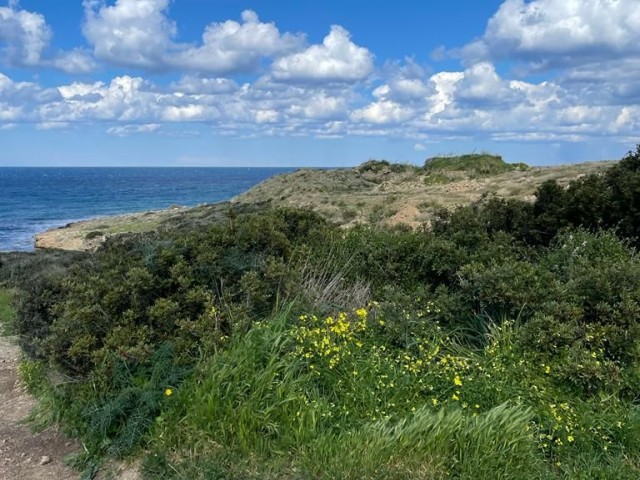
column 322, row 83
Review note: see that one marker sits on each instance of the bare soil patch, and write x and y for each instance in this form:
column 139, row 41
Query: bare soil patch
column 25, row 455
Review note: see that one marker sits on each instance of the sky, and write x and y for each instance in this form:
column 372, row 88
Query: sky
column 316, row 83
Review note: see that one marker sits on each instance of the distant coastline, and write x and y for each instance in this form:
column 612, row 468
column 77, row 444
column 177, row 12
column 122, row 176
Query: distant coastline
column 373, row 193
column 36, row 199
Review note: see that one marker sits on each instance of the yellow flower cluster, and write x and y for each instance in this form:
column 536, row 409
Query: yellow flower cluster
column 331, row 337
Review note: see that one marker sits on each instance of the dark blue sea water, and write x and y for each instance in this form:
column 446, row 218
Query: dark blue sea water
column 35, row 199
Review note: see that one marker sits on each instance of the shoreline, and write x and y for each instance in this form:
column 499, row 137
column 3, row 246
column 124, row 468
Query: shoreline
column 88, row 234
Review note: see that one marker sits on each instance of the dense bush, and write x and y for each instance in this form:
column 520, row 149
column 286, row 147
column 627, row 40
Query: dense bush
column 194, row 290
column 475, row 164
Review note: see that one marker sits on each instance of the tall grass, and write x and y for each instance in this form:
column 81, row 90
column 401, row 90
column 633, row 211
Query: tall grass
column 7, row 313
column 256, row 400
column 427, row 444
column 252, row 397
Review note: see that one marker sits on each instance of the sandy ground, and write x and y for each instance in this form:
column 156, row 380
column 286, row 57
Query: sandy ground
column 25, row 455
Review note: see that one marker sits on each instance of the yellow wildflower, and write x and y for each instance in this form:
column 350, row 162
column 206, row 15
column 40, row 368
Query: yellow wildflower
column 457, row 382
column 168, row 392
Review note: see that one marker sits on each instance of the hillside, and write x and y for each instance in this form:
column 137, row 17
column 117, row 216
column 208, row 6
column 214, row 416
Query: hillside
column 381, row 193
column 376, row 192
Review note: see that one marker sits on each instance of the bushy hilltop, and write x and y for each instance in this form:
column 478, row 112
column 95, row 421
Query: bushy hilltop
column 472, row 164
column 380, row 192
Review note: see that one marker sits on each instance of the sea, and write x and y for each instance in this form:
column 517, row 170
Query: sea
column 33, row 200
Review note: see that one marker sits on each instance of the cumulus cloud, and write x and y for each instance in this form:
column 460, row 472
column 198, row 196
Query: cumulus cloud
column 132, row 33
column 232, row 46
column 481, row 85
column 77, row 60
column 203, row 85
column 383, row 112
column 139, row 33
column 321, row 106
column 131, row 105
column 25, row 35
column 551, row 33
column 338, row 59
column 25, row 38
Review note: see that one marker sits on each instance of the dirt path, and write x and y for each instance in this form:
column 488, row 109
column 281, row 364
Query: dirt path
column 25, row 455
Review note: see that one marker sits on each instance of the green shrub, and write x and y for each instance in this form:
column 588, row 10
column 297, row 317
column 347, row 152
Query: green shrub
column 122, row 414
column 474, row 164
column 374, row 166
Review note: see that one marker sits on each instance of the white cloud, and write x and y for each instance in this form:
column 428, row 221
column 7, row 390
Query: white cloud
column 9, row 113
column 52, row 125
column 338, row 59
column 74, row 61
column 189, row 113
column 199, row 85
column 232, row 46
column 382, row 112
column 126, row 130
column 444, row 86
column 321, row 106
column 481, row 85
column 133, row 33
column 476, row 102
column 548, row 33
column 267, row 116
column 138, row 33
column 26, row 35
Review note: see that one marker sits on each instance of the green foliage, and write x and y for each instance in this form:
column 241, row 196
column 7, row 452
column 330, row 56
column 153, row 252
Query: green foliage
column 475, row 164
column 375, row 166
column 194, row 290
column 123, row 413
column 250, row 396
column 93, row 234
column 437, row 179
column 431, row 445
column 7, row 312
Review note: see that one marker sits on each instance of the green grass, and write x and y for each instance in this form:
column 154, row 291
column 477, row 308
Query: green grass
column 7, row 313
column 261, row 409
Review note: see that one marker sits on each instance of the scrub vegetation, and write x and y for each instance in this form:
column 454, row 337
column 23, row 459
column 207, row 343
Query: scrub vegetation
column 502, row 341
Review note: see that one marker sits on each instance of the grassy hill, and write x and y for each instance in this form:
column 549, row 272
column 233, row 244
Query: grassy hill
column 378, row 192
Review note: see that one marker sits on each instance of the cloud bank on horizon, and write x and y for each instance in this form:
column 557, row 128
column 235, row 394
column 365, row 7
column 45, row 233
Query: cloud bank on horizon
column 543, row 71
